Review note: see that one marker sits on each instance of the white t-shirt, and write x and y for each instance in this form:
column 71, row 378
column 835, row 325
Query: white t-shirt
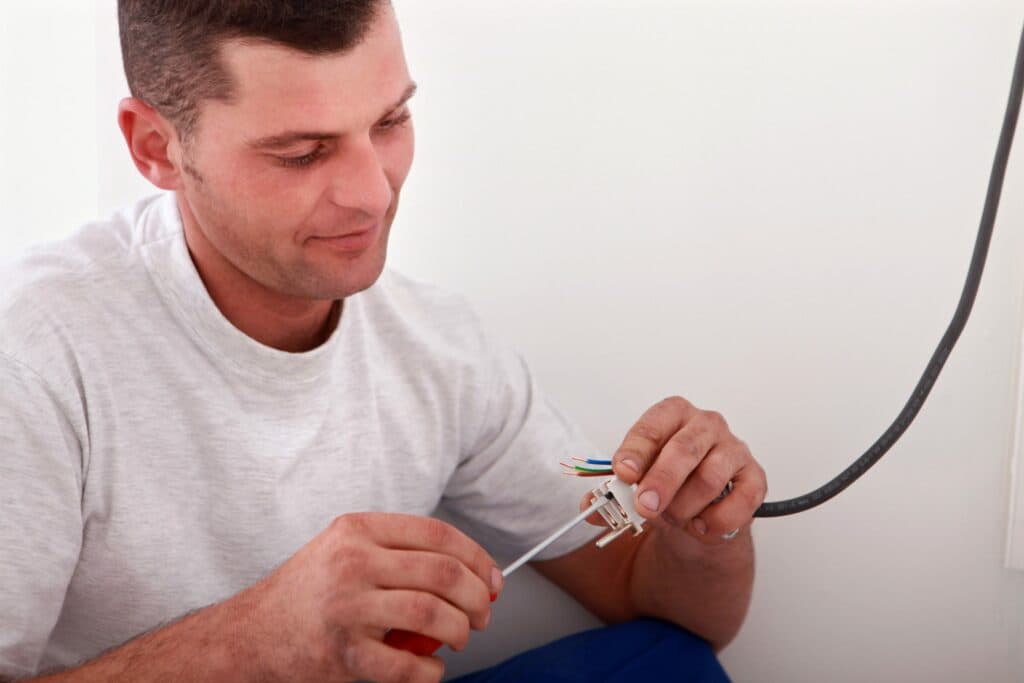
column 154, row 459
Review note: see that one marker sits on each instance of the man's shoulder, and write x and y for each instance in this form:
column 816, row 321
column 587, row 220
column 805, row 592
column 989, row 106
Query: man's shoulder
column 414, row 296
column 54, row 288
column 424, row 317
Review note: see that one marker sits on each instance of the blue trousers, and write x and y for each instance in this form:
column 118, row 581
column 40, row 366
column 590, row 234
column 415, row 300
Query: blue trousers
column 642, row 650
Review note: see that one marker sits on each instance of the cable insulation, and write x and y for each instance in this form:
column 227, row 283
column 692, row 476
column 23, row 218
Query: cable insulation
column 924, row 386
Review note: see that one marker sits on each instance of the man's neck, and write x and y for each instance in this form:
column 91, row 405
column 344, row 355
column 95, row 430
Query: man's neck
column 283, row 322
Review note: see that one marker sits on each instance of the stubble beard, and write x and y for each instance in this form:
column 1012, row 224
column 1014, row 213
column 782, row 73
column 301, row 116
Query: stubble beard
column 223, row 226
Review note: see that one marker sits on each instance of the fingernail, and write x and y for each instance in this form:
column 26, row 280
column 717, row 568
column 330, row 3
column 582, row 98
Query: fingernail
column 700, row 526
column 487, row 618
column 650, row 500
column 496, row 579
column 631, row 464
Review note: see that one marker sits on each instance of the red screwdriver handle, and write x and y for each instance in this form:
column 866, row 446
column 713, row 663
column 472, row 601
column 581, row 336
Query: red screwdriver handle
column 416, row 643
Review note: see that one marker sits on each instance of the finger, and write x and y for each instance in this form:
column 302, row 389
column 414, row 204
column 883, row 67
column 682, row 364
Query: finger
column 418, row 612
column 679, row 458
column 646, row 438
column 737, row 509
column 706, row 483
column 411, row 532
column 372, row 660
column 443, row 575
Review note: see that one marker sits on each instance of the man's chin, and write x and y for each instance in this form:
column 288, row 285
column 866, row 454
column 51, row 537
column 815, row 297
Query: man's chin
column 350, row 279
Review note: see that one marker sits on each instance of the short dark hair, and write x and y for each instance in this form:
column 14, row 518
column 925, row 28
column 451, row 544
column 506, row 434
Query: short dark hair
column 171, row 48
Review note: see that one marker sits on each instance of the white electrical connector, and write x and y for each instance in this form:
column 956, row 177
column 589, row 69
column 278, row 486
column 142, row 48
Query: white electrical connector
column 619, row 511
column 614, row 501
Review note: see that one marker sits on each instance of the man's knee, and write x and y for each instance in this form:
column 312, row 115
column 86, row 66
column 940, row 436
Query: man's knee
column 640, row 650
column 659, row 648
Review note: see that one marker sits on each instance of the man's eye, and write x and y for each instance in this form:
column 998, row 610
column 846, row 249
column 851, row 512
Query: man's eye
column 304, row 160
column 395, row 121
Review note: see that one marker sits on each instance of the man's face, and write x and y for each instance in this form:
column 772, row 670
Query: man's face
column 295, row 182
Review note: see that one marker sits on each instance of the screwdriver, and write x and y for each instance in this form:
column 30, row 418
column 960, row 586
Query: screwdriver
column 422, row 645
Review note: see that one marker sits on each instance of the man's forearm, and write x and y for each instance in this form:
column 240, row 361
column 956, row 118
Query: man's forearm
column 705, row 589
column 204, row 646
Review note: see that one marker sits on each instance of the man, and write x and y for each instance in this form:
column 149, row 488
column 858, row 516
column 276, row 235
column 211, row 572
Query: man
column 225, row 425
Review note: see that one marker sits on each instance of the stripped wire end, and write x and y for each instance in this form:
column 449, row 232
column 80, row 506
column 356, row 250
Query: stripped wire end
column 587, row 467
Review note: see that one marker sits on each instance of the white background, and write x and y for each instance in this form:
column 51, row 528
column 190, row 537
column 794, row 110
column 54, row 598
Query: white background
column 767, row 207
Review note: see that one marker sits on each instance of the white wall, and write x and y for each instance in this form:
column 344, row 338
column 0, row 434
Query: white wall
column 48, row 180
column 767, row 207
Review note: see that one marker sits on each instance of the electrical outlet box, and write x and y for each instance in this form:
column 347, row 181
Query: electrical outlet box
column 1015, row 532
column 1015, row 525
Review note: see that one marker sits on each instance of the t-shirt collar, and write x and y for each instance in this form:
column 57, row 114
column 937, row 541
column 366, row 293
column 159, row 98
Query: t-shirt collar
column 166, row 255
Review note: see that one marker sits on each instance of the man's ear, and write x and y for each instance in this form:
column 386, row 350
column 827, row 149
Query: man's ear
column 150, row 138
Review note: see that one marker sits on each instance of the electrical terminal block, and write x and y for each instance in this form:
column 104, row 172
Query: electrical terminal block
column 619, row 512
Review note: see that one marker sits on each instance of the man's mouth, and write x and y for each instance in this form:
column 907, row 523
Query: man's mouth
column 357, row 240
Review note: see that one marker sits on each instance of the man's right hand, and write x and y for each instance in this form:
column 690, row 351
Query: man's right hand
column 323, row 614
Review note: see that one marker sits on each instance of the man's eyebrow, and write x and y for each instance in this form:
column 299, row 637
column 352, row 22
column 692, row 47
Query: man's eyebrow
column 289, row 137
column 406, row 96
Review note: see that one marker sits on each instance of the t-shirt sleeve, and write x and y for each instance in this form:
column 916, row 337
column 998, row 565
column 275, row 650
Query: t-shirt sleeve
column 509, row 492
column 40, row 515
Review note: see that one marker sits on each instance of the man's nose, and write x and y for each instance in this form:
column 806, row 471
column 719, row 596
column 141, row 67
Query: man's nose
column 360, row 181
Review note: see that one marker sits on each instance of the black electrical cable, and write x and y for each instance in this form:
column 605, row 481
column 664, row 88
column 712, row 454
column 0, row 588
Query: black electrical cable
column 949, row 339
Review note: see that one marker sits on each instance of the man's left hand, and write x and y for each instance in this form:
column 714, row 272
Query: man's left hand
column 683, row 460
